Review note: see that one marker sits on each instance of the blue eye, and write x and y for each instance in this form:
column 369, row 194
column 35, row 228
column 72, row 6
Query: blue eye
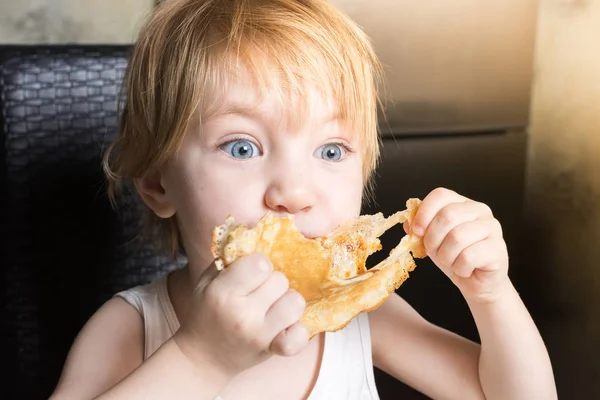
column 331, row 152
column 240, row 148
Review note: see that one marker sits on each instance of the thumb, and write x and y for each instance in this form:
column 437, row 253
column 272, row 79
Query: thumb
column 208, row 275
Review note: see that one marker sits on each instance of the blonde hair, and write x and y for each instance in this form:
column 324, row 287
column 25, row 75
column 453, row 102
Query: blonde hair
column 189, row 50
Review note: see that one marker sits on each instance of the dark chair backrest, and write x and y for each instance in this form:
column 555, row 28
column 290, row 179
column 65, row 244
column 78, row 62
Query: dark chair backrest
column 64, row 250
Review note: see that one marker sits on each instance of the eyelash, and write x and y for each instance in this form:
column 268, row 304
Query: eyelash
column 340, row 143
column 237, row 139
column 343, row 145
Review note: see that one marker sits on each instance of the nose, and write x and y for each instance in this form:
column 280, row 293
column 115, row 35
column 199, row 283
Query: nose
column 290, row 193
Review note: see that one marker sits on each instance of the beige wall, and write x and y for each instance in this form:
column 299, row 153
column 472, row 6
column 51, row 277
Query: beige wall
column 563, row 194
column 71, row 21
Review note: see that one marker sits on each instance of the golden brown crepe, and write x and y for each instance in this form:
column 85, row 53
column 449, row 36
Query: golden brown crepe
column 328, row 271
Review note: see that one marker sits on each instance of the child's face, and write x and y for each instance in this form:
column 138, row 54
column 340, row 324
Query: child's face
column 252, row 158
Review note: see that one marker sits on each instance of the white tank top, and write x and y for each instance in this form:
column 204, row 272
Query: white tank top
column 346, row 371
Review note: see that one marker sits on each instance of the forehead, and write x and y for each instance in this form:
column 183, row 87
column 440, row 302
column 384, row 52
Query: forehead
column 296, row 107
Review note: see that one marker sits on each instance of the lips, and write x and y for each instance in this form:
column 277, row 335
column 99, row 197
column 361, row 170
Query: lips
column 308, row 233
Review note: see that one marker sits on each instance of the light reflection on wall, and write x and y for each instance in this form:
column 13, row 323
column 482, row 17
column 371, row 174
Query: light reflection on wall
column 71, row 21
column 563, row 194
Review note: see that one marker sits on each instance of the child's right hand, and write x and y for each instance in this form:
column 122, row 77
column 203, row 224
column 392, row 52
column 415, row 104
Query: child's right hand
column 242, row 316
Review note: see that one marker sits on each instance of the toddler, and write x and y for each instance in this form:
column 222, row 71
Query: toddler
column 245, row 107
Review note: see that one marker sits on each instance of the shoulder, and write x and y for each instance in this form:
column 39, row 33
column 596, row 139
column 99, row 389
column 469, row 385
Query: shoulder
column 116, row 317
column 138, row 295
column 108, row 348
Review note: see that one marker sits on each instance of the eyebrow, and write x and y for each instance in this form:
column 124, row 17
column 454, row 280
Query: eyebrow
column 246, row 110
column 251, row 111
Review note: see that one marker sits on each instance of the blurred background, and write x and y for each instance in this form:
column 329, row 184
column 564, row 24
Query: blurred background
column 500, row 102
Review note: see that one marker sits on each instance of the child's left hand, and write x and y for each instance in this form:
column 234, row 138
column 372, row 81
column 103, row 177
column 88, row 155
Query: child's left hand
column 465, row 241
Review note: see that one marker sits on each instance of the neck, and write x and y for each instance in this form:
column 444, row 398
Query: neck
column 182, row 283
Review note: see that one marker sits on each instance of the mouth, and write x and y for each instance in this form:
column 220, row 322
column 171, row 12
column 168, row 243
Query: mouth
column 305, row 232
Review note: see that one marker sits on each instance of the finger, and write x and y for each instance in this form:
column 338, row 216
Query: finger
column 246, row 274
column 430, row 206
column 463, row 236
column 270, row 291
column 284, row 312
column 290, row 341
column 481, row 255
column 208, row 275
column 448, row 218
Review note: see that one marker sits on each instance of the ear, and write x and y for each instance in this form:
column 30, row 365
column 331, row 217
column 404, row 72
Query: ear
column 154, row 195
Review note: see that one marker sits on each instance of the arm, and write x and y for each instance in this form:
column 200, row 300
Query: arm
column 511, row 363
column 465, row 241
column 237, row 318
column 430, row 359
column 105, row 362
column 514, row 362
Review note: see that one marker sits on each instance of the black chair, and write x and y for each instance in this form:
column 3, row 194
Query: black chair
column 64, row 249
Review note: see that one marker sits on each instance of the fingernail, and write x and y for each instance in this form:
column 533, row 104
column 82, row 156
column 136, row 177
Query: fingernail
column 418, row 230
column 264, row 266
column 299, row 298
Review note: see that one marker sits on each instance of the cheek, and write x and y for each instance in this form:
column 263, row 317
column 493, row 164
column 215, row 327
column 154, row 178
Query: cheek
column 206, row 203
column 345, row 193
column 199, row 211
column 353, row 197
